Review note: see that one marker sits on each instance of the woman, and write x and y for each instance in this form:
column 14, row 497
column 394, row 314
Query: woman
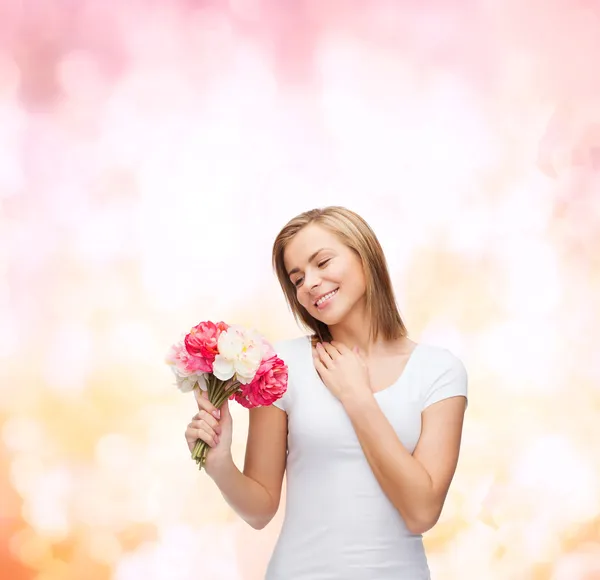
column 369, row 429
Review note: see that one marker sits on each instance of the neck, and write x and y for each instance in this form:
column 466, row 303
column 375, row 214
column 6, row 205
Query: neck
column 355, row 329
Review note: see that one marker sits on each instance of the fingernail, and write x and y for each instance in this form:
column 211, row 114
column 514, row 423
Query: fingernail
column 217, row 439
column 216, row 414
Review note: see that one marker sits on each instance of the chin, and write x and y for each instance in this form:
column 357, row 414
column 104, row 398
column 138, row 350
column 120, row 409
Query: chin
column 338, row 314
column 329, row 318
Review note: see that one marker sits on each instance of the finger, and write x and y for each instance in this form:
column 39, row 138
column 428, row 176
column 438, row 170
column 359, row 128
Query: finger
column 206, row 416
column 208, row 437
column 224, row 410
column 205, row 405
column 200, row 426
column 341, row 348
column 323, row 355
column 333, row 352
column 317, row 350
column 203, row 418
column 200, row 395
column 320, row 367
column 193, row 435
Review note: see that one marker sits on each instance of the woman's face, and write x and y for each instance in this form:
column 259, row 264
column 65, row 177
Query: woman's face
column 328, row 276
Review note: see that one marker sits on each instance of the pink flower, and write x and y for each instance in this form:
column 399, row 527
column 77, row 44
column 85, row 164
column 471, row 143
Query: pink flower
column 185, row 364
column 201, row 343
column 269, row 384
column 267, row 348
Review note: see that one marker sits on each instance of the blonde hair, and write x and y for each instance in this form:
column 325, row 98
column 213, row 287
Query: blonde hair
column 357, row 235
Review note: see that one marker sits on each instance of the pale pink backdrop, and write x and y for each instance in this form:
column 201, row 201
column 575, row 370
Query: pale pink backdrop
column 149, row 153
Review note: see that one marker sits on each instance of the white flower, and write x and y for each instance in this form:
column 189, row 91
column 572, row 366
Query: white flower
column 188, row 383
column 240, row 354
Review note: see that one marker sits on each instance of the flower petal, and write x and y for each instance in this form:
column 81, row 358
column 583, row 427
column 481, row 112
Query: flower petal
column 186, row 384
column 223, row 368
column 202, row 382
column 246, row 368
column 230, row 343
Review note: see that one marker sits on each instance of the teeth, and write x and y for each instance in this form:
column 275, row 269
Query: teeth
column 326, row 297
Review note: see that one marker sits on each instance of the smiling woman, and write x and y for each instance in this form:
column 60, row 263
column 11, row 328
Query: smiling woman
column 322, row 250
column 369, row 429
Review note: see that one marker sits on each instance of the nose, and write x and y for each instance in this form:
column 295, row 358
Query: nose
column 312, row 281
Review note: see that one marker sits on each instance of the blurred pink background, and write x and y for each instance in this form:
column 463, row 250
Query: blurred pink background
column 149, row 153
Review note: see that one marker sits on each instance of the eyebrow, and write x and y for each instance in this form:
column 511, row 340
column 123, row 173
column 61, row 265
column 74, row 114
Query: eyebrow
column 310, row 259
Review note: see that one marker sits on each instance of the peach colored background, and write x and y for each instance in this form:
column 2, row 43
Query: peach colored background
column 149, row 153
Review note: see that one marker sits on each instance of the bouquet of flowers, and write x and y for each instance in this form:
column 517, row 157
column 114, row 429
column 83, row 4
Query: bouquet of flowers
column 229, row 362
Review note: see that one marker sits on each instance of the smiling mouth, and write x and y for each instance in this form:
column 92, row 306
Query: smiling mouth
column 326, row 298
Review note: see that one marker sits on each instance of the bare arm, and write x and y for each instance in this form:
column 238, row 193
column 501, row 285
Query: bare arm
column 416, row 484
column 254, row 494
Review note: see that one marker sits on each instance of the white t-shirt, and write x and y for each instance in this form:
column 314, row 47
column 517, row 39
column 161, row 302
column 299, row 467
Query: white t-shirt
column 339, row 524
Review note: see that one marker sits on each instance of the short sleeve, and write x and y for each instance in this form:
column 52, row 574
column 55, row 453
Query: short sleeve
column 281, row 403
column 451, row 381
column 284, row 402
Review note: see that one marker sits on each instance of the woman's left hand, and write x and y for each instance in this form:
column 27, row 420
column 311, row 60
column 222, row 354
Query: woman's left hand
column 343, row 371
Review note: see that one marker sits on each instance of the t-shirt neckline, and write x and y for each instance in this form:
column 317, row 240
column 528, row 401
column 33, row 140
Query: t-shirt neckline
column 388, row 388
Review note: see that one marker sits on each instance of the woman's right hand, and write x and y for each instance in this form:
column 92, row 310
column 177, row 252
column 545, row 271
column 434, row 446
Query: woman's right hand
column 213, row 426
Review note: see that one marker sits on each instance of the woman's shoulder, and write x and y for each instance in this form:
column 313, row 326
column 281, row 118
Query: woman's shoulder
column 292, row 349
column 439, row 359
column 442, row 374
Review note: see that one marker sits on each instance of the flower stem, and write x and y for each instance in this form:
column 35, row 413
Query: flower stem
column 218, row 392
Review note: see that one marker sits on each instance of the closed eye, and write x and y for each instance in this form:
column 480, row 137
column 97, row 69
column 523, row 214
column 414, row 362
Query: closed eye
column 321, row 264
